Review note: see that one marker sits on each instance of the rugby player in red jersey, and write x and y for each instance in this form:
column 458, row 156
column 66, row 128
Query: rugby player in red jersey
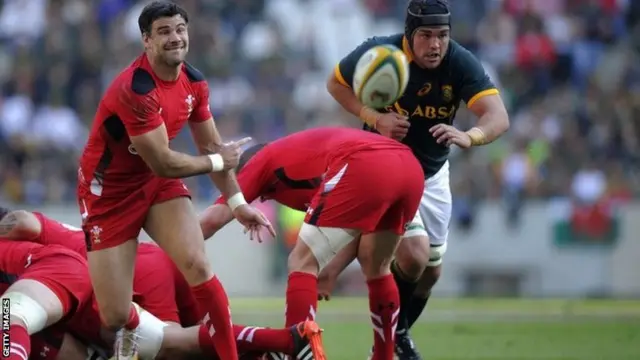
column 169, row 302
column 40, row 286
column 129, row 178
column 351, row 184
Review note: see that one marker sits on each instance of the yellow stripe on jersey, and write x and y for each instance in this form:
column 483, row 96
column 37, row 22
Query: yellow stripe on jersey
column 338, row 74
column 482, row 94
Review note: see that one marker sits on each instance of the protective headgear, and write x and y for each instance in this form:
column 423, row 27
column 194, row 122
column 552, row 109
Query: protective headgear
column 425, row 13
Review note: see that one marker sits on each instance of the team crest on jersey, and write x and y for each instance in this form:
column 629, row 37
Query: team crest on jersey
column 426, row 88
column 447, row 93
column 95, row 234
column 189, row 100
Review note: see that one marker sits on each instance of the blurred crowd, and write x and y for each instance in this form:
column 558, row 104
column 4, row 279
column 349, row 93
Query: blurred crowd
column 567, row 69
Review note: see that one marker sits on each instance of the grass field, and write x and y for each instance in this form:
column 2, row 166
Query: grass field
column 457, row 329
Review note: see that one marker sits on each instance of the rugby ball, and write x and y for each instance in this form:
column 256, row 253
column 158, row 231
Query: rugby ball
column 381, row 76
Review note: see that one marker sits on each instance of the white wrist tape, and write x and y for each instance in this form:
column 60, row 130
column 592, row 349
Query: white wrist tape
column 236, row 200
column 217, row 164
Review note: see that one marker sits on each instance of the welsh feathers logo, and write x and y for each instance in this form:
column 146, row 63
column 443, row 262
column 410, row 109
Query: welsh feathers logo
column 189, row 100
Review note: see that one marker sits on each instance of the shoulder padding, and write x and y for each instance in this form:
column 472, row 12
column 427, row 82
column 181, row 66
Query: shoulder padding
column 193, row 74
column 142, row 82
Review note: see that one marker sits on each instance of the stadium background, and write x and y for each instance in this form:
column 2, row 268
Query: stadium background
column 550, row 210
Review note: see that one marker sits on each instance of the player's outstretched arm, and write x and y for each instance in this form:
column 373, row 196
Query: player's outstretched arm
column 138, row 106
column 19, row 224
column 208, row 141
column 153, row 147
column 214, row 218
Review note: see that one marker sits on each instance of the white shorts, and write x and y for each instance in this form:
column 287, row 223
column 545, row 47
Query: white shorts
column 434, row 214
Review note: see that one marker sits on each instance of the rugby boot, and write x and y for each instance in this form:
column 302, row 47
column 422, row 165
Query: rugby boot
column 126, row 345
column 307, row 343
column 405, row 348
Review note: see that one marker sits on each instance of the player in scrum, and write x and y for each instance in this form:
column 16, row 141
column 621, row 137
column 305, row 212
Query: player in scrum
column 442, row 74
column 129, row 179
column 334, row 174
column 40, row 286
column 169, row 326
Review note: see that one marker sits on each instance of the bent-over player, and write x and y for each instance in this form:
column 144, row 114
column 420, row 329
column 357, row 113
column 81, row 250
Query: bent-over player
column 40, row 286
column 442, row 74
column 335, row 175
column 129, row 179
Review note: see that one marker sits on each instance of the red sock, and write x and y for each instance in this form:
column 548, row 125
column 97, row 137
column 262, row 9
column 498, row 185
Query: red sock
column 19, row 343
column 302, row 298
column 213, row 301
column 251, row 338
column 205, row 342
column 384, row 304
column 134, row 319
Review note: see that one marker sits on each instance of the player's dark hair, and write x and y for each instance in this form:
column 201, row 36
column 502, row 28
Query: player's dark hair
column 425, row 13
column 3, row 212
column 247, row 155
column 157, row 10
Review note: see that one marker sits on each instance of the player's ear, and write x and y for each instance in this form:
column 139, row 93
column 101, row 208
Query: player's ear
column 146, row 38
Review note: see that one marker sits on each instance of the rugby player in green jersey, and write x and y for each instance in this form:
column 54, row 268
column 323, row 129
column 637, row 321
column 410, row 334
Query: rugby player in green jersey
column 442, row 75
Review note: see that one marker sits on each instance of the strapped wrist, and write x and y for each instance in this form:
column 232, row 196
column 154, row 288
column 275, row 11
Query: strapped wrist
column 217, row 162
column 369, row 116
column 236, row 200
column 477, row 136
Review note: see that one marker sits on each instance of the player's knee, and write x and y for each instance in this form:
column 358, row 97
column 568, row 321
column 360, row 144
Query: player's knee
column 25, row 311
column 302, row 259
column 412, row 255
column 195, row 267
column 428, row 279
column 375, row 253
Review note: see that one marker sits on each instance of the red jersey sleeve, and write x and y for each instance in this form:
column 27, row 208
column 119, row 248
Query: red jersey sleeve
column 202, row 112
column 137, row 107
column 254, row 178
column 56, row 233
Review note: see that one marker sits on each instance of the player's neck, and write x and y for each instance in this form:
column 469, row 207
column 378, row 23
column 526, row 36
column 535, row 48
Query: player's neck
column 163, row 71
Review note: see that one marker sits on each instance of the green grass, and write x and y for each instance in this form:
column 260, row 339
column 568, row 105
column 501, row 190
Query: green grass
column 457, row 329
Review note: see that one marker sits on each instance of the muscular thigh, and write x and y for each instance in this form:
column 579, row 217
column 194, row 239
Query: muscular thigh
column 173, row 224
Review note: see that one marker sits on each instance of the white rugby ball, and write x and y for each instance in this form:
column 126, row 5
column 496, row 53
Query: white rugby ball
column 381, row 76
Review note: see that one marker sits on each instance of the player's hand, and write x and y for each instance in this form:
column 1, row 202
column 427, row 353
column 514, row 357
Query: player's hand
column 393, row 125
column 449, row 135
column 326, row 282
column 231, row 152
column 254, row 221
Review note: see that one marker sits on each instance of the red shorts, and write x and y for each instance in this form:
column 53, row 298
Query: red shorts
column 111, row 221
column 64, row 272
column 370, row 191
